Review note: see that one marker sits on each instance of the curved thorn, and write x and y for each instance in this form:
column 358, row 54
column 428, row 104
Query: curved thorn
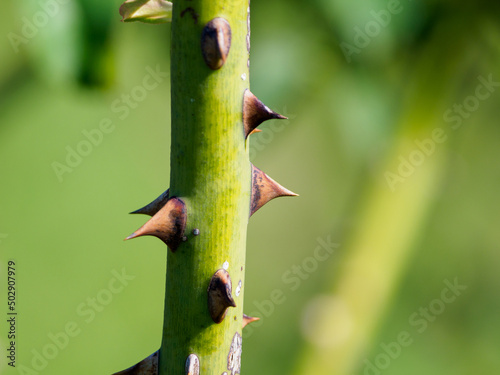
column 152, row 208
column 255, row 113
column 219, row 295
column 264, row 188
column 168, row 224
column 248, row 319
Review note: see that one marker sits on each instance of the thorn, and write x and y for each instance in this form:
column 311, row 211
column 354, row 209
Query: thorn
column 264, row 188
column 192, row 365
column 148, row 366
column 255, row 113
column 255, row 131
column 168, row 224
column 248, row 319
column 216, row 42
column 155, row 206
column 219, row 295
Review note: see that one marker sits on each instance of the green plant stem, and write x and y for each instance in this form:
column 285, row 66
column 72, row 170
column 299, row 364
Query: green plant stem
column 211, row 173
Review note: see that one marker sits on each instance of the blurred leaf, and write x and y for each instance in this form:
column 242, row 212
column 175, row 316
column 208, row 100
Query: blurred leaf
column 149, row 11
column 53, row 39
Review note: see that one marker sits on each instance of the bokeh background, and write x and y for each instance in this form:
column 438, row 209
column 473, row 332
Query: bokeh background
column 388, row 261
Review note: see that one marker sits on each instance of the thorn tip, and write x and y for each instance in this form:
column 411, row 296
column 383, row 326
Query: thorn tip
column 248, row 319
column 264, row 189
column 133, row 235
column 255, row 131
column 255, row 113
column 152, row 208
column 168, row 224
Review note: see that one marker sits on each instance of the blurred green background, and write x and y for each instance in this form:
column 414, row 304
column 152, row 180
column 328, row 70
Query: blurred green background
column 386, row 264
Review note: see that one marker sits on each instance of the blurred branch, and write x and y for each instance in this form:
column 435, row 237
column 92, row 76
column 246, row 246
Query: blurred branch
column 393, row 214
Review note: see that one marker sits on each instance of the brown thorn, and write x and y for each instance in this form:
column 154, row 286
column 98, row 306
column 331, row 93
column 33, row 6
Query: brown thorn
column 264, row 188
column 248, row 319
column 219, row 295
column 168, row 224
column 148, row 366
column 255, row 131
column 216, row 42
column 255, row 113
column 152, row 208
